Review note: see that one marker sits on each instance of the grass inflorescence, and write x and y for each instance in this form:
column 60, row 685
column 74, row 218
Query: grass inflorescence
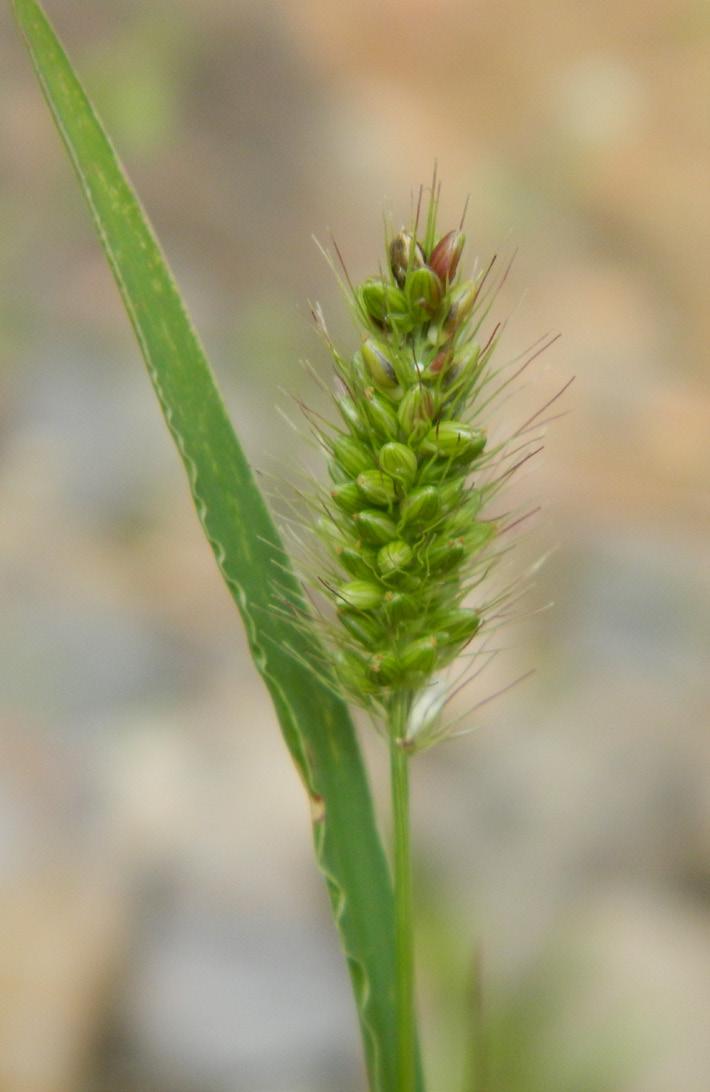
column 404, row 524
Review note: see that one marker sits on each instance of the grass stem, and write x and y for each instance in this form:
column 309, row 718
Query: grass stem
column 404, row 926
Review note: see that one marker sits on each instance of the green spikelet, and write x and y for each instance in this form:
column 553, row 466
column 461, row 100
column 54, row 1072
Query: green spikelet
column 405, row 532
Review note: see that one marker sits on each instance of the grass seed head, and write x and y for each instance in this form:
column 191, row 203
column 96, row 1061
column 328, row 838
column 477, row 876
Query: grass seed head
column 405, row 536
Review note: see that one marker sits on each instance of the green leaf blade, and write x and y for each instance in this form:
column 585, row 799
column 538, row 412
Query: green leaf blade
column 315, row 723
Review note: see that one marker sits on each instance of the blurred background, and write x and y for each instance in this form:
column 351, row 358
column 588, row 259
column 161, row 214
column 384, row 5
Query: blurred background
column 162, row 925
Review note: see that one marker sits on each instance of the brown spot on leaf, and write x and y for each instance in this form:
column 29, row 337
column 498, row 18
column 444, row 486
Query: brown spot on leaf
column 317, row 804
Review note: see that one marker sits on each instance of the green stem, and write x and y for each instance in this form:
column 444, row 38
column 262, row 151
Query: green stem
column 399, row 771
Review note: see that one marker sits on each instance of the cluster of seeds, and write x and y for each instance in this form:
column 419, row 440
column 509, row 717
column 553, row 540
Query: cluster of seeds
column 402, row 521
